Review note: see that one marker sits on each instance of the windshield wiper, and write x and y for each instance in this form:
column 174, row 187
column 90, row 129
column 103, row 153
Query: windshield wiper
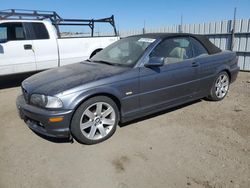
column 100, row 61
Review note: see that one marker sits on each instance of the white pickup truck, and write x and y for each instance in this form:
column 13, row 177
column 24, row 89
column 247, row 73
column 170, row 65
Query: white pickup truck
column 35, row 44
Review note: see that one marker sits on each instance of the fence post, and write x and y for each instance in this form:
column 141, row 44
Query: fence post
column 233, row 30
column 180, row 29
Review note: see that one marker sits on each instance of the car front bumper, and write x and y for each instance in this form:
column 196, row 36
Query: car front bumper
column 37, row 119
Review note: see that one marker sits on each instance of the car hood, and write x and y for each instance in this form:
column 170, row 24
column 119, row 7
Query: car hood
column 57, row 80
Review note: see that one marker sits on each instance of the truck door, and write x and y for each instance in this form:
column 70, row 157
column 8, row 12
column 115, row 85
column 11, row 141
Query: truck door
column 44, row 45
column 16, row 54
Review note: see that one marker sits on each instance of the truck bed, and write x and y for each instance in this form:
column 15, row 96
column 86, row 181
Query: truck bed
column 77, row 49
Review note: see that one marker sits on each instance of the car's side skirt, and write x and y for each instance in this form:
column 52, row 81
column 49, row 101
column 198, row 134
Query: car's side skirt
column 148, row 111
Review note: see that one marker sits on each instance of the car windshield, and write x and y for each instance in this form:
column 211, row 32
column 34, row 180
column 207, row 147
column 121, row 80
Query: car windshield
column 125, row 52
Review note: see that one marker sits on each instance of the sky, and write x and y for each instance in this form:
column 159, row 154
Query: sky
column 132, row 14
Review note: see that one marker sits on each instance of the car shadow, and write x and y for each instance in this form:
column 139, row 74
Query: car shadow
column 14, row 80
column 53, row 139
column 158, row 113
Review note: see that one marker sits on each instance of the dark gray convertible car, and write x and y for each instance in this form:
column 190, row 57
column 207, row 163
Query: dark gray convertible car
column 132, row 77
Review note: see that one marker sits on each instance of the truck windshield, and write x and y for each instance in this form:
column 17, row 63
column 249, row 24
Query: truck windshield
column 125, row 52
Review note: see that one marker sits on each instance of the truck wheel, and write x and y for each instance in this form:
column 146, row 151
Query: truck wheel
column 220, row 87
column 95, row 120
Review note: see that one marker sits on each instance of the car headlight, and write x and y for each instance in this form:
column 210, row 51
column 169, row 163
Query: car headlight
column 45, row 101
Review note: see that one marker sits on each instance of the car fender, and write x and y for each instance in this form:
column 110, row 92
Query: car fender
column 75, row 99
column 221, row 68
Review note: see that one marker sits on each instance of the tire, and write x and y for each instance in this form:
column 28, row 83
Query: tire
column 95, row 120
column 220, row 87
column 95, row 52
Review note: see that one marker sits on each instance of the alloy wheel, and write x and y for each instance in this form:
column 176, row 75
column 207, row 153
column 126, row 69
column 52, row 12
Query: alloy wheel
column 97, row 120
column 221, row 86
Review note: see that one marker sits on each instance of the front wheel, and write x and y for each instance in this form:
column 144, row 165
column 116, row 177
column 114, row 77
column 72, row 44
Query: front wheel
column 95, row 120
column 220, row 87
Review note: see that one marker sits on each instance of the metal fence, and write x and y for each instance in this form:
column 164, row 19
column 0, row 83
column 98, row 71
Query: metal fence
column 227, row 35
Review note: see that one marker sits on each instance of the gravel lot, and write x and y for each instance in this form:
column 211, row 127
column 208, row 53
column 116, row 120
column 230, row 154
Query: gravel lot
column 203, row 144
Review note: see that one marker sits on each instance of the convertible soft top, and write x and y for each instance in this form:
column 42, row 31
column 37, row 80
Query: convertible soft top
column 211, row 48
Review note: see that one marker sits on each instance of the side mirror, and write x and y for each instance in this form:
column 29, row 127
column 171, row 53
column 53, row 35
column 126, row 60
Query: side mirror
column 155, row 62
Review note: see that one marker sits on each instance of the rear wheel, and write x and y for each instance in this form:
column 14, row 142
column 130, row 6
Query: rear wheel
column 220, row 87
column 95, row 120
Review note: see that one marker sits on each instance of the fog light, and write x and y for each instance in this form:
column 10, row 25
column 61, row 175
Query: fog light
column 55, row 119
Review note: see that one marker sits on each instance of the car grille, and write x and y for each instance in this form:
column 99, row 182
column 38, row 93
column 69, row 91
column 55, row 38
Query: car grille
column 25, row 95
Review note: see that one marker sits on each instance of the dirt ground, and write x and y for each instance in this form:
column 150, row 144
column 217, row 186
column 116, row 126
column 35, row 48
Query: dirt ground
column 203, row 144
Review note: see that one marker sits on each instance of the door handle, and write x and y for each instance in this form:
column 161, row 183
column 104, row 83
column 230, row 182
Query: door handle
column 27, row 47
column 195, row 64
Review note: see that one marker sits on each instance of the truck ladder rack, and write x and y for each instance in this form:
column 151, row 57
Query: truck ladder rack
column 56, row 20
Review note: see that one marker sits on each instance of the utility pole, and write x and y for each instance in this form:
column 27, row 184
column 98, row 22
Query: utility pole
column 144, row 29
column 233, row 29
column 181, row 26
column 118, row 31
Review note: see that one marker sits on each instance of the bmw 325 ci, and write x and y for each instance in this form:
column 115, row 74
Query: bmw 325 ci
column 133, row 77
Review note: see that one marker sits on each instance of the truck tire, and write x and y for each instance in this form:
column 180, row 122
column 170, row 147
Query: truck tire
column 95, row 52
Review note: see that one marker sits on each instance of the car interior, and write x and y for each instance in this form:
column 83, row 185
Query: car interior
column 173, row 50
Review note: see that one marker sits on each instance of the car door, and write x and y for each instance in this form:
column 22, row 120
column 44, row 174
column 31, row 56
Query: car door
column 175, row 81
column 16, row 54
column 207, row 66
column 44, row 45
